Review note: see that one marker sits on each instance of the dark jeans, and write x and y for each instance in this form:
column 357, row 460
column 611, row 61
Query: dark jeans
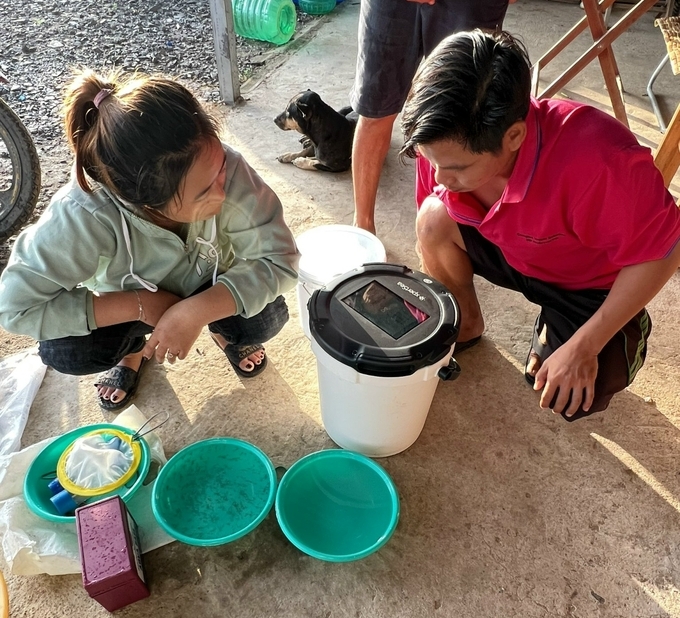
column 104, row 347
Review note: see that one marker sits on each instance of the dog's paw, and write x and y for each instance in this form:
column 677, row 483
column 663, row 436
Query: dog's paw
column 288, row 157
column 305, row 163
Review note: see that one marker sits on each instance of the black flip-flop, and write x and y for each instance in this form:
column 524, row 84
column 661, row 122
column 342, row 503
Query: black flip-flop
column 531, row 380
column 536, row 348
column 121, row 378
column 235, row 355
column 461, row 346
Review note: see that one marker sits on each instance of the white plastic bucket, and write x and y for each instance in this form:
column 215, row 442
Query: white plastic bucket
column 328, row 251
column 373, row 415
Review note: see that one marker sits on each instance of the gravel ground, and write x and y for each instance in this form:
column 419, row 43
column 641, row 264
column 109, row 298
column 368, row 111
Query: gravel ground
column 43, row 41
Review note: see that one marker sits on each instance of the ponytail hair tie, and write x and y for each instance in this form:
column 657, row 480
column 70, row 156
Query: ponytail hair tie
column 101, row 95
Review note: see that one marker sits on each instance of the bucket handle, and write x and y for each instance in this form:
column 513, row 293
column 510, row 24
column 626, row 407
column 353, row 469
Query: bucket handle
column 450, row 372
column 310, row 292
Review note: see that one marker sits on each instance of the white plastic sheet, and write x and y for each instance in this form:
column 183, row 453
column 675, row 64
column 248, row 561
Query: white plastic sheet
column 20, row 378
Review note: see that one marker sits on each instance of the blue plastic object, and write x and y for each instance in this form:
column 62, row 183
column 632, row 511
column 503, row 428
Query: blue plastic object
column 65, row 503
column 337, row 505
column 55, row 487
column 214, row 491
column 37, row 492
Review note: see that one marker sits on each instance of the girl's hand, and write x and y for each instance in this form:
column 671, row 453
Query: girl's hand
column 175, row 333
column 179, row 326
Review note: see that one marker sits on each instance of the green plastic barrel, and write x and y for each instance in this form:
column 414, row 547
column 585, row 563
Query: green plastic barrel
column 265, row 20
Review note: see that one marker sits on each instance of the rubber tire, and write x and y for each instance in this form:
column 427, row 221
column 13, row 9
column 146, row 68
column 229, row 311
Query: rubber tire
column 18, row 202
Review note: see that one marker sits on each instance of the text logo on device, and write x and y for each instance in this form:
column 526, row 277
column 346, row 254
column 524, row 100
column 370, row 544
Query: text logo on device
column 405, row 287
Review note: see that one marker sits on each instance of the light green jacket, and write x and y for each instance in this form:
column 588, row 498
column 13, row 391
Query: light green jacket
column 79, row 247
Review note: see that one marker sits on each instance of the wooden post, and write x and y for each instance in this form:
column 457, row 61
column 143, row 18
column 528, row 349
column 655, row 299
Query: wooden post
column 225, row 50
column 667, row 157
column 608, row 66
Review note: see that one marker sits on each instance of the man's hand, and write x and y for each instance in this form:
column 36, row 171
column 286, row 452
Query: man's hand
column 567, row 378
column 424, row 1
column 572, row 368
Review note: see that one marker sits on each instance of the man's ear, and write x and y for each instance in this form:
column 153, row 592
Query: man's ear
column 515, row 135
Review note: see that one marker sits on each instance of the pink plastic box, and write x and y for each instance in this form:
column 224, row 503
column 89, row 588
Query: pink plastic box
column 110, row 555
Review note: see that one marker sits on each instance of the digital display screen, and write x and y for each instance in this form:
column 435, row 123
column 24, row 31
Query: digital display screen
column 389, row 312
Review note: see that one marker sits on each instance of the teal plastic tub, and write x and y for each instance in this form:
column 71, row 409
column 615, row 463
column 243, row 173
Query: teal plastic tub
column 337, row 505
column 214, row 491
column 44, row 466
column 334, row 505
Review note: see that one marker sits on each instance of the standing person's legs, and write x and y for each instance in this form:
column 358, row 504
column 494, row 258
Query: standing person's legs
column 241, row 338
column 445, row 17
column 387, row 57
column 371, row 144
column 394, row 35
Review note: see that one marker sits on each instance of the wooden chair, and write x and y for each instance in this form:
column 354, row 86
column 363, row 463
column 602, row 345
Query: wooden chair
column 603, row 37
column 667, row 156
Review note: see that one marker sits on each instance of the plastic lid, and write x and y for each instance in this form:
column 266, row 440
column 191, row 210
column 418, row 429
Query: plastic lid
column 384, row 320
column 331, row 250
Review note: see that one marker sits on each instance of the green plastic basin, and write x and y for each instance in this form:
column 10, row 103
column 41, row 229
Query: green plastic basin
column 44, row 466
column 337, row 505
column 214, row 491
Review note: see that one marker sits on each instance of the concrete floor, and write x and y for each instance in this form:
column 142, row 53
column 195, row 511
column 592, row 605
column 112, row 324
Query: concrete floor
column 506, row 510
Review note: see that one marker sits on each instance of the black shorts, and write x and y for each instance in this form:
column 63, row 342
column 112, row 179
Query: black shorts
column 395, row 35
column 563, row 312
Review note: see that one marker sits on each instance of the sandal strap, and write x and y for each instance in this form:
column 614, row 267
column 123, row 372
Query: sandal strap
column 121, row 378
column 236, row 354
column 244, row 351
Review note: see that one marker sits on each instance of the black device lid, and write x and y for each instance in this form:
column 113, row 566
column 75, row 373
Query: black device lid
column 384, row 320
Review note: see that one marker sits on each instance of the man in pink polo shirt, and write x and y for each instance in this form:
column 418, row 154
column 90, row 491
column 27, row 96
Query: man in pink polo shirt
column 554, row 199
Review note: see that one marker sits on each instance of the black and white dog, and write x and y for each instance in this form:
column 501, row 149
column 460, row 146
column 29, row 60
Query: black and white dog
column 327, row 134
